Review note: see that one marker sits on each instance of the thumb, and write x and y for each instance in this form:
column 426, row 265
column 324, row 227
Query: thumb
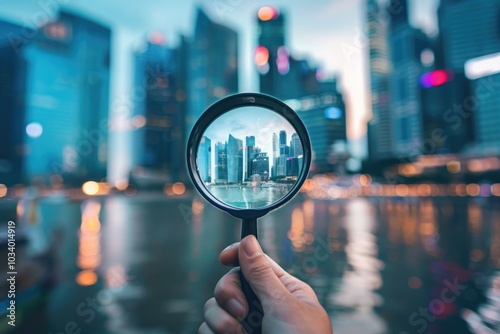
column 259, row 271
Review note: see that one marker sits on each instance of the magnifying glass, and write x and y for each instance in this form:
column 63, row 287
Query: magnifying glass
column 249, row 154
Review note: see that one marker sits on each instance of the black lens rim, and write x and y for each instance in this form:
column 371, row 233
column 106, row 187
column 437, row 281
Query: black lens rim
column 237, row 101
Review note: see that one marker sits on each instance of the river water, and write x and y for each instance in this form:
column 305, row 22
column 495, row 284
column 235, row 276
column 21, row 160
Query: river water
column 249, row 197
column 377, row 265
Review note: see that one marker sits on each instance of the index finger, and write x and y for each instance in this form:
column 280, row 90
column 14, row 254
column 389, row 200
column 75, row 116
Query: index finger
column 229, row 256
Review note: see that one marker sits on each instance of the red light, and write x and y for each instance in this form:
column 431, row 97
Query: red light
column 436, row 78
column 267, row 13
column 439, row 77
column 261, row 56
column 157, row 38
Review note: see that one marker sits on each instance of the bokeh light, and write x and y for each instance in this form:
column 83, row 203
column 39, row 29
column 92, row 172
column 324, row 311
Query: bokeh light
column 268, row 13
column 86, row 278
column 34, row 130
column 90, row 188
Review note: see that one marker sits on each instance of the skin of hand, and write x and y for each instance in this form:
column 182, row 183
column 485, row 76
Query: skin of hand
column 290, row 305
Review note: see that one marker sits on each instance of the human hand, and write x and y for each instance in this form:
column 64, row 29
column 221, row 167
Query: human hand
column 290, row 305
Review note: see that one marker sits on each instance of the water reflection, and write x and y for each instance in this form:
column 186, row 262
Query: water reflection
column 89, row 251
column 147, row 263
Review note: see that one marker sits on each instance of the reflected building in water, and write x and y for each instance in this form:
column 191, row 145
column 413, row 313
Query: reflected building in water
column 432, row 248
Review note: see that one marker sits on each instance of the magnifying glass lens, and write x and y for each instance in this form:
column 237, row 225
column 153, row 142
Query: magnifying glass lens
column 249, row 157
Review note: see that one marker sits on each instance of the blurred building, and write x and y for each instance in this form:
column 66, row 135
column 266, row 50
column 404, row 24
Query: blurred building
column 469, row 29
column 12, row 100
column 470, row 34
column 280, row 74
column 487, row 90
column 234, row 160
column 221, row 171
column 159, row 120
column 325, row 119
column 67, row 99
column 379, row 126
column 285, row 77
column 406, row 45
column 205, row 159
column 213, row 65
column 447, row 122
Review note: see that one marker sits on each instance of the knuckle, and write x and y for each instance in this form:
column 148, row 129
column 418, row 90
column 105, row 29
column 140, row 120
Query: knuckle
column 226, row 326
column 222, row 290
column 259, row 265
column 209, row 304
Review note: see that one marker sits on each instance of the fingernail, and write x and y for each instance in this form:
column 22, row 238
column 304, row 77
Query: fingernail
column 252, row 246
column 227, row 248
column 236, row 309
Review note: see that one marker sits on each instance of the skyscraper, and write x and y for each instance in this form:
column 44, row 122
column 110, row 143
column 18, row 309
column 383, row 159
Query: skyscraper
column 250, row 154
column 284, row 148
column 282, row 138
column 67, row 99
column 295, row 146
column 221, row 172
column 204, row 159
column 276, row 153
column 448, row 127
column 406, row 45
column 379, row 126
column 271, row 37
column 234, row 160
column 12, row 100
column 487, row 118
column 260, row 165
column 213, row 60
column 469, row 29
column 470, row 33
column 325, row 119
column 159, row 118
column 280, row 74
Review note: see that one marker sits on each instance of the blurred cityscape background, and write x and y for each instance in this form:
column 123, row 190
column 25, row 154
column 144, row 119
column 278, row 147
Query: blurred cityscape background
column 402, row 197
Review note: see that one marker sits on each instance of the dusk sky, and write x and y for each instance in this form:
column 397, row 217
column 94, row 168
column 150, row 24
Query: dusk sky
column 319, row 30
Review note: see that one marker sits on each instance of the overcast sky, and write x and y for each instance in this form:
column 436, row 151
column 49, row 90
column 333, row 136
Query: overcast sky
column 250, row 121
column 319, row 30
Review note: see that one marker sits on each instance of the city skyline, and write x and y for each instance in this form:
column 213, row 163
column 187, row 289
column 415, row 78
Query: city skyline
column 130, row 29
column 210, row 150
column 249, row 121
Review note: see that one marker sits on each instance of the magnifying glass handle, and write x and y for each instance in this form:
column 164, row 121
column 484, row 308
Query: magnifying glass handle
column 253, row 322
